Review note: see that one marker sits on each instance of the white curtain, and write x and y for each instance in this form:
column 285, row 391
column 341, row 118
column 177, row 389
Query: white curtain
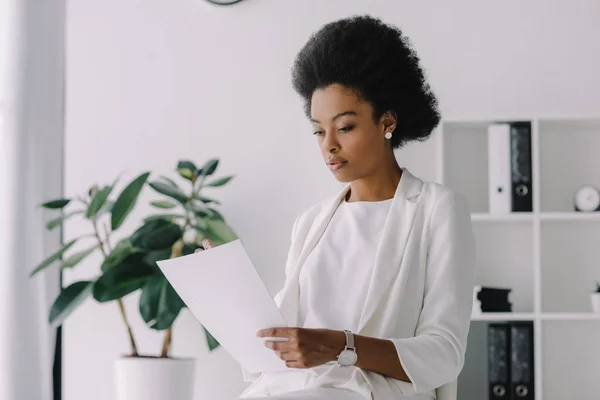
column 32, row 47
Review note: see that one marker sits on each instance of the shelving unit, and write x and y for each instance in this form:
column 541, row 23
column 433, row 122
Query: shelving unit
column 550, row 257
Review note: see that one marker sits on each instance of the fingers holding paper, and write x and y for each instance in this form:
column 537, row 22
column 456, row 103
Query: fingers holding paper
column 304, row 348
column 207, row 244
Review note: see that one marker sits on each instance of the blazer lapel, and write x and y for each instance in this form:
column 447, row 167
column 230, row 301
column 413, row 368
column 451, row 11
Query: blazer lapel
column 391, row 247
column 290, row 297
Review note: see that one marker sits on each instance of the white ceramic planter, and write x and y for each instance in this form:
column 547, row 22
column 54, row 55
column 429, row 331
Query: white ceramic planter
column 141, row 378
column 595, row 299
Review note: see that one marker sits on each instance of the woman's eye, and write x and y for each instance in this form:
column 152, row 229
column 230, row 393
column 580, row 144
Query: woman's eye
column 346, row 128
column 317, row 132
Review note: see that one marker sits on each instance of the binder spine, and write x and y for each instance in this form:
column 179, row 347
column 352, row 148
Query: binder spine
column 498, row 362
column 499, row 173
column 522, row 362
column 520, row 165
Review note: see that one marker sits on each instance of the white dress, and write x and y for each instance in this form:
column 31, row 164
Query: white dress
column 333, row 286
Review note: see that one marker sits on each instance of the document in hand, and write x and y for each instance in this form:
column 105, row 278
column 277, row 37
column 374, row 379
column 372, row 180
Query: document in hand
column 224, row 292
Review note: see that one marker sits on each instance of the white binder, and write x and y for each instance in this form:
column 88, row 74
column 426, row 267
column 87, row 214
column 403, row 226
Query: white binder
column 499, row 169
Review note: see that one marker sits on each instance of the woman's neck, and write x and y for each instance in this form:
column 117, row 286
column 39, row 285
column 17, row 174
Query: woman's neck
column 377, row 187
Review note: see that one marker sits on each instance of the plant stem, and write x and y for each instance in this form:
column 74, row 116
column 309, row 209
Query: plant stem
column 107, row 232
column 134, row 351
column 167, row 343
column 176, row 251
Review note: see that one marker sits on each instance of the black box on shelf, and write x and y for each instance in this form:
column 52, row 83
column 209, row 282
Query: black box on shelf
column 494, row 299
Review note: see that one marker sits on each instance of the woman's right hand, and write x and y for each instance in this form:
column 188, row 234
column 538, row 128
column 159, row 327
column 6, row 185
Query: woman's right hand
column 207, row 244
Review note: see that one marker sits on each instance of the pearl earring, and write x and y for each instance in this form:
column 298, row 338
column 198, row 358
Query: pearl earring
column 388, row 135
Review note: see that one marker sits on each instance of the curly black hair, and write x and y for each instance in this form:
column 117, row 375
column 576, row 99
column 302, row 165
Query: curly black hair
column 375, row 60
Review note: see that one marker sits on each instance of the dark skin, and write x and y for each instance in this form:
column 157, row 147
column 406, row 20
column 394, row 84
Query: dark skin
column 344, row 127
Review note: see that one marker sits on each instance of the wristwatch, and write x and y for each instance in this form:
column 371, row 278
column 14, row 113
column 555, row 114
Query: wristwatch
column 348, row 356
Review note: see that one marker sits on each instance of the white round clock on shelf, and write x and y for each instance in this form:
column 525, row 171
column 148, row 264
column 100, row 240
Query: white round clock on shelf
column 587, row 199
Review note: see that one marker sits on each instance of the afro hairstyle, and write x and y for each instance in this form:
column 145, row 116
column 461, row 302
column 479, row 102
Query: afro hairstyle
column 376, row 61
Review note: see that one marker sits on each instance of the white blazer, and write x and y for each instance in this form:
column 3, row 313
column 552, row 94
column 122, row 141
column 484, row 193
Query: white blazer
column 421, row 291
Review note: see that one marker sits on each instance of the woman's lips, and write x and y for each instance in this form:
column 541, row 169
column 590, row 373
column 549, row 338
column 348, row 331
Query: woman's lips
column 335, row 166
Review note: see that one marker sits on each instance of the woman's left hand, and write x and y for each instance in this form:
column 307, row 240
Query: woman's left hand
column 305, row 348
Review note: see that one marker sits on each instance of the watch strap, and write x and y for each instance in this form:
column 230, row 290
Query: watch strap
column 349, row 340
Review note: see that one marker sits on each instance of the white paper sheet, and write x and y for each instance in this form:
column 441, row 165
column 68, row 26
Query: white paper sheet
column 224, row 292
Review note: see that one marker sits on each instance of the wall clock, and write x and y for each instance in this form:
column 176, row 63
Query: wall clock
column 224, row 2
column 587, row 199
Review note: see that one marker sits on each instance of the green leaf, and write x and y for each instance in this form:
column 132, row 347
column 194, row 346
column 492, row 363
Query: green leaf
column 209, row 168
column 123, row 279
column 216, row 214
column 201, row 222
column 156, row 235
column 120, row 253
column 159, row 303
column 170, row 181
column 98, row 201
column 169, row 190
column 169, row 306
column 126, row 200
column 210, row 340
column 163, row 204
column 59, row 220
column 202, row 234
column 219, row 232
column 206, row 200
column 220, row 182
column 68, row 300
column 189, row 248
column 187, row 169
column 56, row 204
column 52, row 258
column 150, row 297
column 153, row 256
column 198, row 208
column 166, row 217
column 76, row 258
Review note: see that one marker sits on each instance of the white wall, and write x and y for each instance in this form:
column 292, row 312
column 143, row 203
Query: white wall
column 153, row 81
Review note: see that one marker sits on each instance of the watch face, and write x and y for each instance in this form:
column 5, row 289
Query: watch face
column 347, row 358
column 587, row 198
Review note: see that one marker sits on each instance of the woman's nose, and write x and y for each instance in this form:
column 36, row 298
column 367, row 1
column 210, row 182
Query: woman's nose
column 330, row 143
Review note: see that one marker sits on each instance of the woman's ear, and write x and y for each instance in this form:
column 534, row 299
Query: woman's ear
column 389, row 121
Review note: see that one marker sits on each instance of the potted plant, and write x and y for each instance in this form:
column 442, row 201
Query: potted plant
column 595, row 297
column 186, row 217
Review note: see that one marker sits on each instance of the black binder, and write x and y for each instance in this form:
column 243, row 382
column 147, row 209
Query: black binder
column 520, row 166
column 522, row 362
column 498, row 362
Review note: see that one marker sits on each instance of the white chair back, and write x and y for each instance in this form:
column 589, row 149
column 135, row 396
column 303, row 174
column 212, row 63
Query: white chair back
column 447, row 392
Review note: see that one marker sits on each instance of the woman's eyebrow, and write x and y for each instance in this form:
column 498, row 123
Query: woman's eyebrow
column 337, row 116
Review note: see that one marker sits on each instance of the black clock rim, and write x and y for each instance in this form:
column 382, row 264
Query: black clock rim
column 229, row 3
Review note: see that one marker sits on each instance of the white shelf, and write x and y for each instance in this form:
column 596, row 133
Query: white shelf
column 503, row 316
column 530, row 217
column 513, row 217
column 570, row 316
column 570, row 216
column 512, row 316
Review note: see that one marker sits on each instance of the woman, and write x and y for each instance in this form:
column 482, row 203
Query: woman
column 390, row 259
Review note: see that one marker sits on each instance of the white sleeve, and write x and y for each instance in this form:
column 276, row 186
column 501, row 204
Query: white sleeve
column 435, row 356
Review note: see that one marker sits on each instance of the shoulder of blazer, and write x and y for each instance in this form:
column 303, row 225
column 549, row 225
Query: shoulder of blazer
column 306, row 218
